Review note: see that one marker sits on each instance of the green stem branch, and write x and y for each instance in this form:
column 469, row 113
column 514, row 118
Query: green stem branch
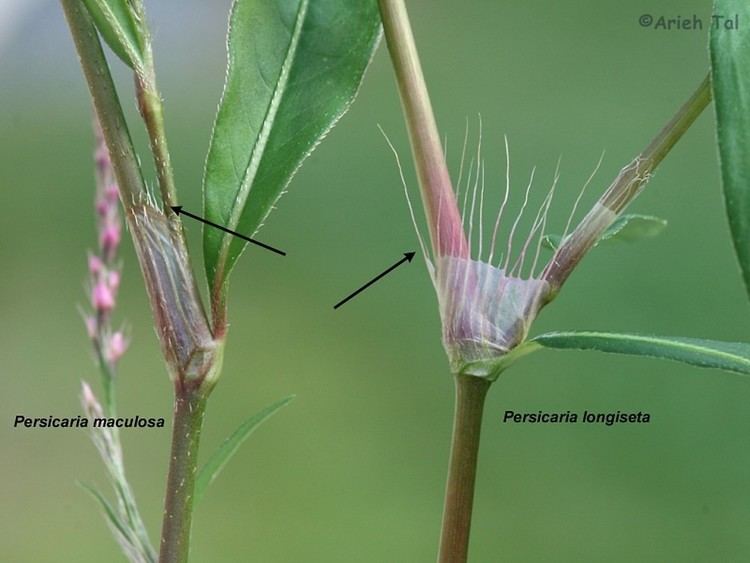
column 459, row 491
column 151, row 109
column 189, row 410
column 107, row 104
column 625, row 187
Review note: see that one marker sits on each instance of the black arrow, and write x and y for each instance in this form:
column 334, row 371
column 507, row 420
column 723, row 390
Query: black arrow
column 180, row 211
column 407, row 258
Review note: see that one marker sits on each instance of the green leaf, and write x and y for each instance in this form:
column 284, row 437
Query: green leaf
column 294, row 68
column 729, row 356
column 229, row 447
column 109, row 512
column 629, row 227
column 730, row 79
column 118, row 25
column 633, row 227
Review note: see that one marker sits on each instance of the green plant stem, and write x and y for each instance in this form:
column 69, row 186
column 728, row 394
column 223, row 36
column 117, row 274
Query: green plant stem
column 151, row 109
column 459, row 491
column 625, row 187
column 189, row 410
column 446, row 231
column 189, row 402
column 107, row 379
column 107, row 104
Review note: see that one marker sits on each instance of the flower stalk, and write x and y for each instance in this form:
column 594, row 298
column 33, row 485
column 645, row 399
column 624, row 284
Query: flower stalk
column 104, row 275
column 109, row 346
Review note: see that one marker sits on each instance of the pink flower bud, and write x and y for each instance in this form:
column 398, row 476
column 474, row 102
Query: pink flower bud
column 116, row 347
column 95, row 265
column 113, row 280
column 111, row 193
column 102, row 158
column 102, row 207
column 90, row 405
column 110, row 238
column 102, row 298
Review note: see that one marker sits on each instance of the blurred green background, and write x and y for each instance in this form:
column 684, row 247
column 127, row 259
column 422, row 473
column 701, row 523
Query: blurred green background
column 353, row 469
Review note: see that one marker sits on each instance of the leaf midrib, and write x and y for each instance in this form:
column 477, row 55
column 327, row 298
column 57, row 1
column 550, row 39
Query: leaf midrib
column 648, row 339
column 132, row 50
column 264, row 134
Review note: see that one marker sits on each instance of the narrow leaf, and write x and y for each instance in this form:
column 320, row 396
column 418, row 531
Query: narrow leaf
column 120, row 28
column 629, row 227
column 730, row 79
column 730, row 356
column 111, row 515
column 294, row 68
column 633, row 227
column 229, row 447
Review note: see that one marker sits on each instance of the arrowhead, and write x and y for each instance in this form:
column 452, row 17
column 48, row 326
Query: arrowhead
column 177, row 209
column 409, row 255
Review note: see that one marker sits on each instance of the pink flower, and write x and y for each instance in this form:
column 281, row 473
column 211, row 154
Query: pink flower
column 102, row 208
column 95, row 265
column 116, row 347
column 109, row 239
column 113, row 280
column 101, row 156
column 102, row 298
column 111, row 194
column 90, row 405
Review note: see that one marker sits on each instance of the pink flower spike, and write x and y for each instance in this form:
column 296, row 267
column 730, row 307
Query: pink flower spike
column 95, row 265
column 90, row 405
column 113, row 280
column 110, row 238
column 102, row 207
column 111, row 193
column 117, row 346
column 102, row 158
column 102, row 298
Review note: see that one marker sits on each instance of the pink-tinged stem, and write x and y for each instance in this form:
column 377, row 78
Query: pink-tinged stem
column 443, row 217
column 625, row 187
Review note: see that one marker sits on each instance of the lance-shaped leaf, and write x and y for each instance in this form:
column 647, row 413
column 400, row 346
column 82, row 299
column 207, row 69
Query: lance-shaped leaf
column 294, row 68
column 126, row 536
column 730, row 74
column 630, row 227
column 729, row 356
column 118, row 25
column 229, row 447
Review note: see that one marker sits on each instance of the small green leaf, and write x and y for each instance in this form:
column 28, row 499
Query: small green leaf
column 229, row 447
column 294, row 68
column 118, row 25
column 629, row 227
column 632, row 227
column 730, row 79
column 729, row 356
column 109, row 512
